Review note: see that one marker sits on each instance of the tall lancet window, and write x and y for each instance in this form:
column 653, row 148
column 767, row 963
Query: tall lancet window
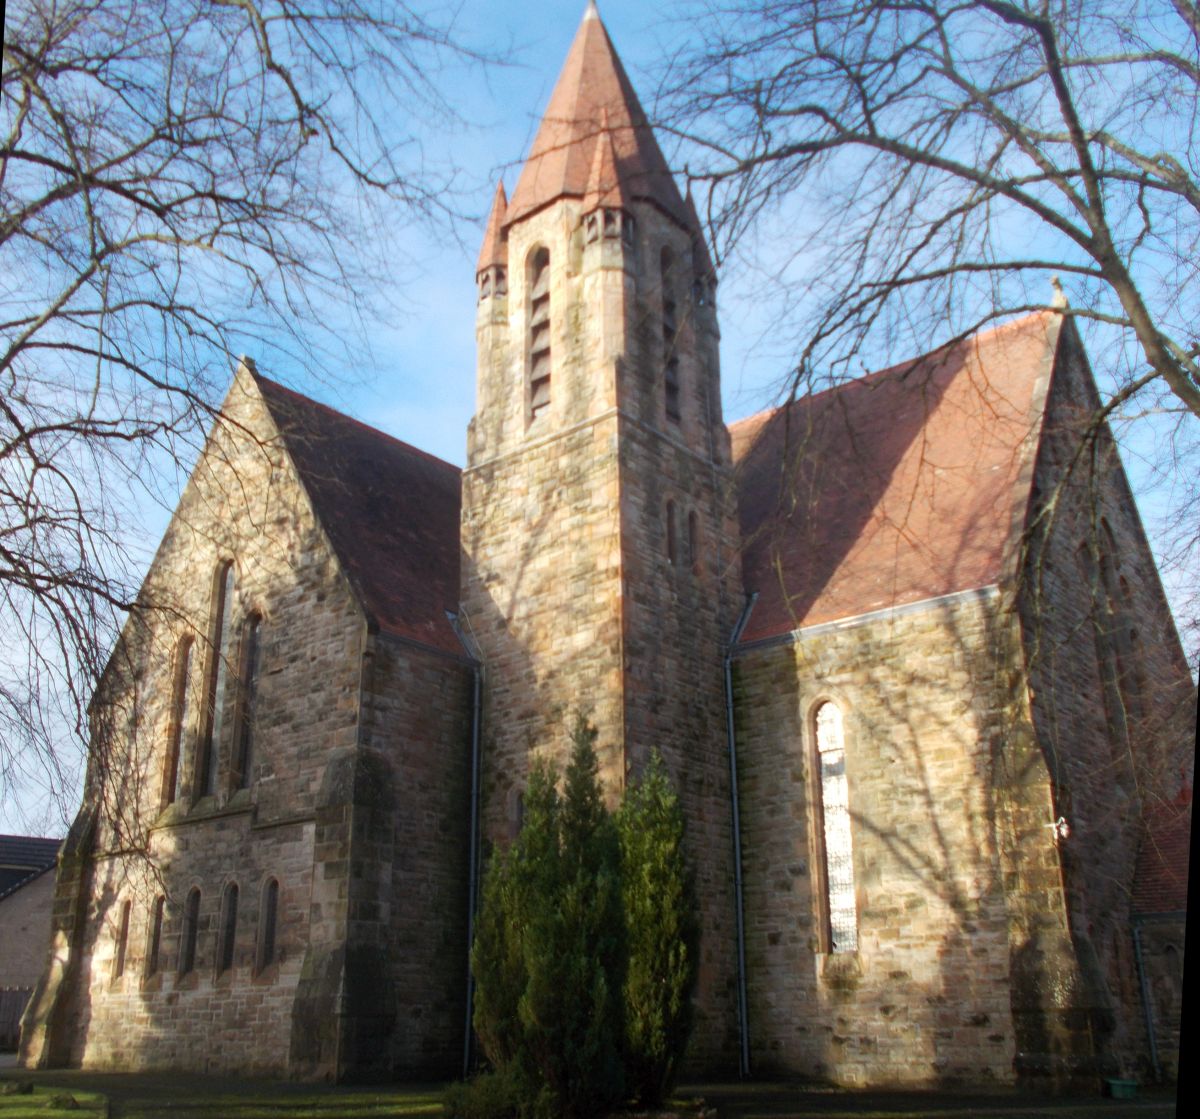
column 538, row 286
column 173, row 767
column 214, row 690
column 670, row 331
column 840, row 917
column 243, row 758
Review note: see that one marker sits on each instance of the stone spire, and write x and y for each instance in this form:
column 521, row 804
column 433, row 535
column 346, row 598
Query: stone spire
column 594, row 99
column 492, row 252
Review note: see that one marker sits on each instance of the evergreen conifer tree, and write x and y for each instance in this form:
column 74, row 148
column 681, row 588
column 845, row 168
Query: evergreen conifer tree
column 549, row 948
column 659, row 904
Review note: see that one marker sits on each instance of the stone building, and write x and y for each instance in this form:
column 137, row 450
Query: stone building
column 921, row 727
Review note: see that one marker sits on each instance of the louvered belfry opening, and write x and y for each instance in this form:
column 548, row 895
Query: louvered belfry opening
column 539, row 332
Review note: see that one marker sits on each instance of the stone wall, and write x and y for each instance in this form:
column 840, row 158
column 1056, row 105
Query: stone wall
column 243, row 504
column 412, row 903
column 25, row 931
column 925, row 998
column 1111, row 699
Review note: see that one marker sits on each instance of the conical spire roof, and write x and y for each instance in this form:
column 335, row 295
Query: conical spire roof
column 492, row 251
column 594, row 98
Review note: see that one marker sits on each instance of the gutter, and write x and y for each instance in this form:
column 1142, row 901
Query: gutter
column 473, row 841
column 739, row 904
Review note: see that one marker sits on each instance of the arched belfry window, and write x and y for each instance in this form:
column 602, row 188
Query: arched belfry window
column 672, row 538
column 840, row 906
column 670, row 331
column 173, row 767
column 538, row 287
column 214, row 684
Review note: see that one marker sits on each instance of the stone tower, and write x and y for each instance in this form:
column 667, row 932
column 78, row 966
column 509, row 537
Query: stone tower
column 600, row 569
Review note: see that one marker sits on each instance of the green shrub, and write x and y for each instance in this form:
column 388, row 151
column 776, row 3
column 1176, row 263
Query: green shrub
column 662, row 934
column 585, row 945
column 490, row 1095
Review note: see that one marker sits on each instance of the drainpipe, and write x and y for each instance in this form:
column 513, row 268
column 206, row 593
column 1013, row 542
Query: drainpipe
column 473, row 841
column 1144, row 984
column 1144, row 987
column 739, row 910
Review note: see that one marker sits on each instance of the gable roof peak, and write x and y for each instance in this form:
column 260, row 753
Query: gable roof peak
column 594, row 100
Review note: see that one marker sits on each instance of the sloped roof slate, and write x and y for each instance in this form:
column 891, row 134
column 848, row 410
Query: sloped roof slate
column 1160, row 882
column 24, row 857
column 390, row 510
column 894, row 488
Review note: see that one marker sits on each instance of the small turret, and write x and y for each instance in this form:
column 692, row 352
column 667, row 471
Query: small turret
column 607, row 207
column 491, row 271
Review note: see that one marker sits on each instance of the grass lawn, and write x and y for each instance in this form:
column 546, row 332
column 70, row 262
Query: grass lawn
column 52, row 1103
column 167, row 1096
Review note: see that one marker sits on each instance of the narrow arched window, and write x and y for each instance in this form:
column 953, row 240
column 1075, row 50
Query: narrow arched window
column 214, row 690
column 670, row 330
column 538, row 287
column 154, row 939
column 122, row 940
column 268, row 916
column 228, row 934
column 840, row 916
column 672, row 542
column 172, row 767
column 191, row 929
column 693, row 541
column 248, row 668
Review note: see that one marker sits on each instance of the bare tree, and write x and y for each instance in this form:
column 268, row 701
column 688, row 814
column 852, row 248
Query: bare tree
column 175, row 179
column 940, row 164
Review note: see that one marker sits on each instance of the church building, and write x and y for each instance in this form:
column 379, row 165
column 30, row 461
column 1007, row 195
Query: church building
column 909, row 664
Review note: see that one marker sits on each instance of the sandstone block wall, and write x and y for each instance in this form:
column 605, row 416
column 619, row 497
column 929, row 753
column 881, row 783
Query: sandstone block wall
column 243, row 504
column 1111, row 698
column 417, row 715
column 925, row 999
column 25, row 931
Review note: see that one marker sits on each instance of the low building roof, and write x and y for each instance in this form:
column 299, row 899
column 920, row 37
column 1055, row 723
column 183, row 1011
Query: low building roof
column 903, row 485
column 391, row 512
column 24, row 857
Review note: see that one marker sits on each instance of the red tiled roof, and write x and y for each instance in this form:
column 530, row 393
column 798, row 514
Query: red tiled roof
column 594, row 97
column 1160, row 883
column 390, row 511
column 897, row 487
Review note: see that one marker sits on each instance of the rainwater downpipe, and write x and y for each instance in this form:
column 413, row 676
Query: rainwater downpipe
column 739, row 908
column 473, row 840
column 1144, row 985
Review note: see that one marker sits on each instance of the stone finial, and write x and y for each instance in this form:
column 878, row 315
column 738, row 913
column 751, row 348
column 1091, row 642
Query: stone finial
column 247, row 363
column 591, row 11
column 1059, row 300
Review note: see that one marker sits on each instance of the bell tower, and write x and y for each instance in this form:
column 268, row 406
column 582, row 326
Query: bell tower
column 600, row 565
